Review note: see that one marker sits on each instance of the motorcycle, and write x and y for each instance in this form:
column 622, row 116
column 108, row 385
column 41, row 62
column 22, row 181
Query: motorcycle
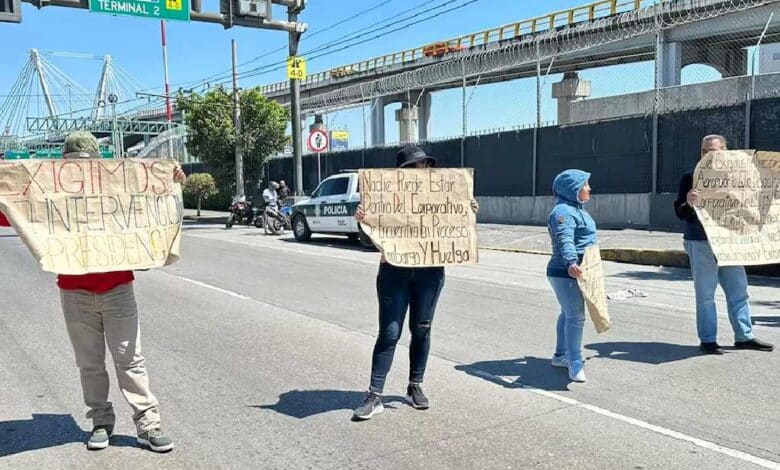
column 241, row 212
column 275, row 219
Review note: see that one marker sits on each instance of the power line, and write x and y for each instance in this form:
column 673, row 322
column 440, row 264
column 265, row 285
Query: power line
column 362, row 32
column 339, row 23
column 262, row 70
column 222, row 77
column 222, row 74
column 266, row 69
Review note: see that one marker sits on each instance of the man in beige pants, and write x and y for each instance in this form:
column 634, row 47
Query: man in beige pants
column 100, row 310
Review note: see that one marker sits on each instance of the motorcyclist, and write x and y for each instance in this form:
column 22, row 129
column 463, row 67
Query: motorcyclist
column 242, row 208
column 271, row 198
column 284, row 191
column 271, row 194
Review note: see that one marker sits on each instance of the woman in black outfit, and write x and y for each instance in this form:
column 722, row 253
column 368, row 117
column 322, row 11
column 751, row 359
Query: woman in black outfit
column 399, row 289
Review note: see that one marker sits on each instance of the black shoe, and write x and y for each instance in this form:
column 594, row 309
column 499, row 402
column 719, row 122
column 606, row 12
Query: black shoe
column 755, row 345
column 372, row 405
column 416, row 397
column 711, row 348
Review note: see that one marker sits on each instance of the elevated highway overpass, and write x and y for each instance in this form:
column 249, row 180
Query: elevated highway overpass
column 676, row 33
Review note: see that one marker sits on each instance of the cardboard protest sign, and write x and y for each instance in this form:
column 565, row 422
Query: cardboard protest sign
column 592, row 286
column 420, row 217
column 81, row 216
column 739, row 205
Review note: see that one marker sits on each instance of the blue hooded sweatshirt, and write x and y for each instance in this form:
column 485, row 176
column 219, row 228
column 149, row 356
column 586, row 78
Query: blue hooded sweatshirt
column 571, row 228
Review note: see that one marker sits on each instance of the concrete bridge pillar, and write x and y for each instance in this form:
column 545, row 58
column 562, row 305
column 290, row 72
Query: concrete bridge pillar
column 423, row 116
column 378, row 121
column 408, row 121
column 413, row 118
column 567, row 91
column 670, row 63
column 319, row 123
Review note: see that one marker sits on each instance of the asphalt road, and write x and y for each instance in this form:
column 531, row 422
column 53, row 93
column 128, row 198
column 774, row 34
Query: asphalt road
column 259, row 347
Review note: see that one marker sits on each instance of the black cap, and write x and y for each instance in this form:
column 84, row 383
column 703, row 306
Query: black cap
column 412, row 154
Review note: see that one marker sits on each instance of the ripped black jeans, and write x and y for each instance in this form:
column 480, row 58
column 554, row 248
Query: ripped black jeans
column 397, row 289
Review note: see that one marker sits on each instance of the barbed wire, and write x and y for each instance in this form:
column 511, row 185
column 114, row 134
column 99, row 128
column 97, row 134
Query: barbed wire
column 528, row 52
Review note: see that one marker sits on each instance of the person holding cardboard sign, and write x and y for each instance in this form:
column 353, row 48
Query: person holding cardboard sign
column 400, row 289
column 571, row 230
column 707, row 274
column 100, row 309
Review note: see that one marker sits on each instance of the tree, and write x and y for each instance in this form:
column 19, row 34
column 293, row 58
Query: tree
column 212, row 135
column 200, row 185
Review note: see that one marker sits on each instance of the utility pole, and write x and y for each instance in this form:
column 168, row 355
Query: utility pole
column 535, row 156
column 116, row 137
column 237, row 125
column 168, row 109
column 295, row 101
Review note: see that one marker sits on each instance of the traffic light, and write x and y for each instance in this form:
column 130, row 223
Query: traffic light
column 247, row 8
column 255, row 8
column 10, row 11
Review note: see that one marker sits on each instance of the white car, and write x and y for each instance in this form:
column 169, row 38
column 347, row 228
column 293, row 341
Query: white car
column 330, row 210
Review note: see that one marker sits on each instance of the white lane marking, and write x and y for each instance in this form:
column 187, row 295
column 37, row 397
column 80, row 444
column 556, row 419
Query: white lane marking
column 209, row 286
column 460, row 274
column 737, row 454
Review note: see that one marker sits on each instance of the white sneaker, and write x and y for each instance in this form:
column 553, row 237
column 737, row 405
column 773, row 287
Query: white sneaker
column 560, row 361
column 579, row 376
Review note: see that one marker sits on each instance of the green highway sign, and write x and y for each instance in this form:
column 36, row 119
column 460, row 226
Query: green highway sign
column 48, row 153
column 16, row 154
column 156, row 9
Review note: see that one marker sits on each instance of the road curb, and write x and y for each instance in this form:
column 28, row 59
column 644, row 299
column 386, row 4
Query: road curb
column 672, row 258
column 205, row 219
column 646, row 257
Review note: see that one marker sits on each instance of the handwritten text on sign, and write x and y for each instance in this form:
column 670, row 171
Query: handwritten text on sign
column 420, row 217
column 739, row 205
column 592, row 287
column 94, row 215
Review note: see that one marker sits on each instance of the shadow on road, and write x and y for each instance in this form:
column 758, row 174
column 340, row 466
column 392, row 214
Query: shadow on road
column 767, row 303
column 767, row 321
column 524, row 371
column 648, row 352
column 189, row 228
column 305, row 403
column 44, row 431
column 663, row 274
column 680, row 274
column 332, row 242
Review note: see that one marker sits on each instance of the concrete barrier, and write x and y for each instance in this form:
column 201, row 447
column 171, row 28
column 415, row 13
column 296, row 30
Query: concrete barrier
column 645, row 257
column 618, row 211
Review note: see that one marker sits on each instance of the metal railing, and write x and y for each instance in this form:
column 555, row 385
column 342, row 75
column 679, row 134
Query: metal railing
column 48, row 125
column 521, row 29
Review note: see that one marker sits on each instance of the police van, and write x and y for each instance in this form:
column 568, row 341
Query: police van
column 330, row 210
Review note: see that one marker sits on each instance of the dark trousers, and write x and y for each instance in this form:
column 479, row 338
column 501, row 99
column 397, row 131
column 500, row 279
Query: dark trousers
column 399, row 289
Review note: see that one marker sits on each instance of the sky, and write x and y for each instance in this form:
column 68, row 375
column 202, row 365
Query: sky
column 199, row 50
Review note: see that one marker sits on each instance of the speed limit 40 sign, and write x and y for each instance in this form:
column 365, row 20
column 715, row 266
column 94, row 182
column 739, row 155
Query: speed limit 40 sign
column 318, row 141
column 296, row 68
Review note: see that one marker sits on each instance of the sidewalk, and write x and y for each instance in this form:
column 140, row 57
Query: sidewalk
column 624, row 246
column 206, row 217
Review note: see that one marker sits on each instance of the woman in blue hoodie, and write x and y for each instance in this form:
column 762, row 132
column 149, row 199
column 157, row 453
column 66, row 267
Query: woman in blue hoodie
column 572, row 230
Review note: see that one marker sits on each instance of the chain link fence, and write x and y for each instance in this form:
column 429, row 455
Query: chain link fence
column 666, row 56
